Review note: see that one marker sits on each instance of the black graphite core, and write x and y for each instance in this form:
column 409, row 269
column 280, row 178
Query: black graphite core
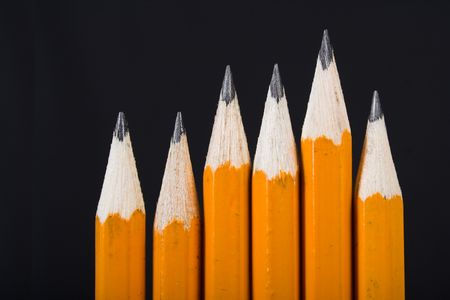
column 179, row 129
column 376, row 112
column 228, row 92
column 121, row 129
column 326, row 51
column 276, row 86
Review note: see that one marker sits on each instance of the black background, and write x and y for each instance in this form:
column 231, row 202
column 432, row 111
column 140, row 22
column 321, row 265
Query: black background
column 68, row 67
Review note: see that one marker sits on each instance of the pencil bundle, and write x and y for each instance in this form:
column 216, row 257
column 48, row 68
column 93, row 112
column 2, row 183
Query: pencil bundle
column 288, row 229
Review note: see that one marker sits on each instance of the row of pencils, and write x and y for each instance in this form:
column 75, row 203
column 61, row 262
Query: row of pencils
column 309, row 237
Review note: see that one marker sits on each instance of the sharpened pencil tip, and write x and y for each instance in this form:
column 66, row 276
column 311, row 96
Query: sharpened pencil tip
column 228, row 92
column 121, row 129
column 276, row 86
column 179, row 129
column 375, row 111
column 326, row 51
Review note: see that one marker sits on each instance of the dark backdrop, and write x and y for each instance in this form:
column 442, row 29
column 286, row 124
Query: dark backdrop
column 68, row 67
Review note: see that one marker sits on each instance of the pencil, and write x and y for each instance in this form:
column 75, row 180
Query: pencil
column 379, row 216
column 326, row 153
column 226, row 201
column 275, row 202
column 176, row 230
column 120, row 224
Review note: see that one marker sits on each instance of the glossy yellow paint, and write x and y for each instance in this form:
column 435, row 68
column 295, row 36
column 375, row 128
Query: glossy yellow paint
column 120, row 257
column 176, row 261
column 326, row 218
column 275, row 236
column 379, row 248
column 226, row 207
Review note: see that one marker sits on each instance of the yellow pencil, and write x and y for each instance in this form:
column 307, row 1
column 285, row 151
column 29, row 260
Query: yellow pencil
column 120, row 225
column 176, row 230
column 379, row 216
column 226, row 201
column 275, row 202
column 326, row 152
